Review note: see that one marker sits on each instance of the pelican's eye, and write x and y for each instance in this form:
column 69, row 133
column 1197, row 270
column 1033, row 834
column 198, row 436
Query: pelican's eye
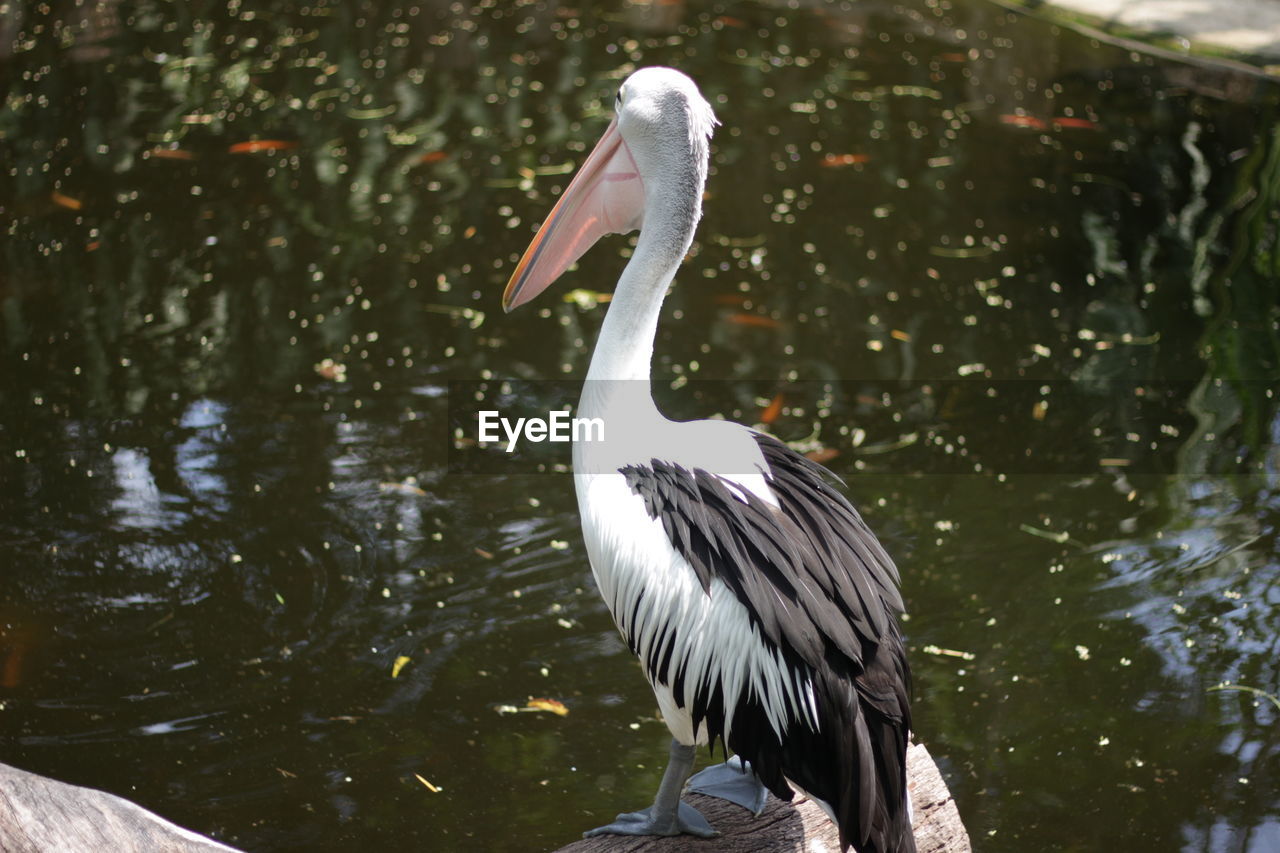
column 618, row 100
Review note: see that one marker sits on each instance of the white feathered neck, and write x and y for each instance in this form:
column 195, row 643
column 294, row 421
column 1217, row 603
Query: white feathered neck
column 667, row 125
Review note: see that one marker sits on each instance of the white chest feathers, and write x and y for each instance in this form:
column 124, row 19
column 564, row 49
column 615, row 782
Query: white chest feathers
column 690, row 640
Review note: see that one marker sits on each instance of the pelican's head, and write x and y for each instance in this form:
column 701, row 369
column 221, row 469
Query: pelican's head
column 653, row 156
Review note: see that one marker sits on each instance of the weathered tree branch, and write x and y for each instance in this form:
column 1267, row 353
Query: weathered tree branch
column 38, row 815
column 801, row 826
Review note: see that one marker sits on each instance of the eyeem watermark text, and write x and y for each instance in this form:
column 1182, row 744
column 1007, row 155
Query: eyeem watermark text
column 557, row 426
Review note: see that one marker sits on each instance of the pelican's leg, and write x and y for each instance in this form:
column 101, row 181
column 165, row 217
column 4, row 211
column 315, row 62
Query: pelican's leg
column 732, row 781
column 667, row 815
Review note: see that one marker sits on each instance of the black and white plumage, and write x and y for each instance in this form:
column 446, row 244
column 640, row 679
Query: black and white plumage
column 762, row 608
column 824, row 704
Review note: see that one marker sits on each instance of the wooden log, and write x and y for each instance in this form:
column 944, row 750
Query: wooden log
column 800, row 825
column 38, row 815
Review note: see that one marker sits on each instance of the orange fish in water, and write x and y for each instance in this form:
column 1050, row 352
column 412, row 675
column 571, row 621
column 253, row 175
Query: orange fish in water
column 11, row 671
column 758, row 320
column 822, row 454
column 771, row 412
column 1023, row 121
column 253, row 146
column 172, row 154
column 1071, row 121
column 836, row 161
column 66, row 201
column 14, row 645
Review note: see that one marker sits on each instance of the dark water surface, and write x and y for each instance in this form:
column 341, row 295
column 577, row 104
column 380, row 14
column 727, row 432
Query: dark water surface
column 1018, row 287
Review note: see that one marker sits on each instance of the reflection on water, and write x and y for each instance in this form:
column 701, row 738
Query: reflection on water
column 1018, row 288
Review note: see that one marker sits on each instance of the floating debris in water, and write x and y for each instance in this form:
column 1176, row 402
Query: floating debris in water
column 536, row 705
column 332, row 370
column 405, row 488
column 587, row 299
column 1059, row 536
column 1246, row 689
column 552, row 706
column 435, row 789
column 949, row 653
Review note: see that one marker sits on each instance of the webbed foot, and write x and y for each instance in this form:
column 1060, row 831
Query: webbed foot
column 732, row 781
column 685, row 821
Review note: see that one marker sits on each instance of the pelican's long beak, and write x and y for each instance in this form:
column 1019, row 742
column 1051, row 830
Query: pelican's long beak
column 605, row 197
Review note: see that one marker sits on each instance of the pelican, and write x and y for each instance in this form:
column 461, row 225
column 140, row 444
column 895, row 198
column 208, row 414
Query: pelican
column 763, row 609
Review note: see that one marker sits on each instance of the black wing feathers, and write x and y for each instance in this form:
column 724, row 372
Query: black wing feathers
column 821, row 591
column 812, row 565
